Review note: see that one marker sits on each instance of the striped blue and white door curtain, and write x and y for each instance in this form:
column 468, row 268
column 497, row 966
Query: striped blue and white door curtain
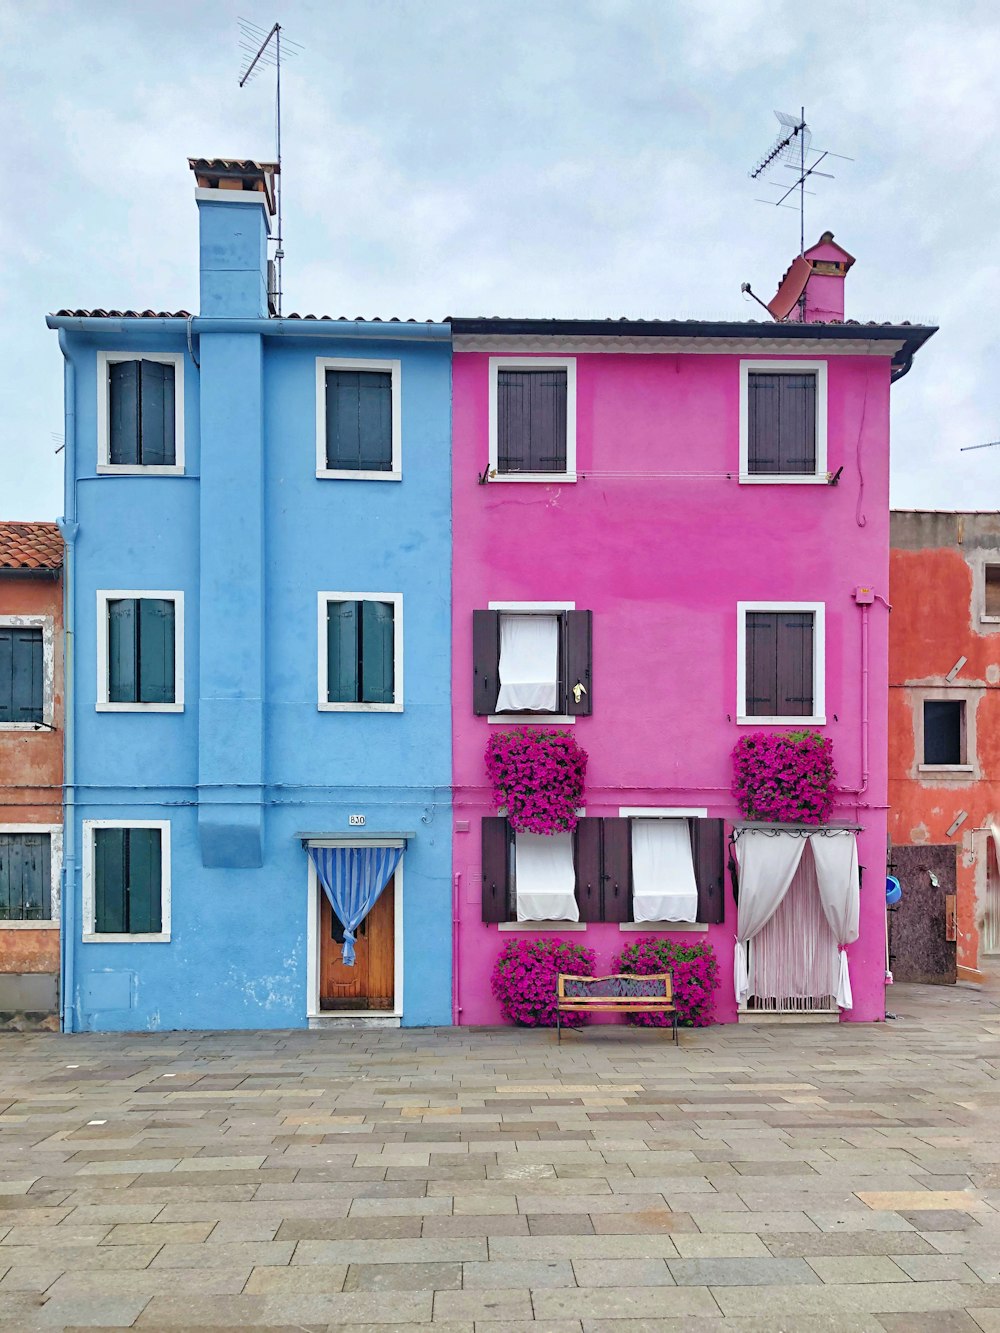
column 352, row 879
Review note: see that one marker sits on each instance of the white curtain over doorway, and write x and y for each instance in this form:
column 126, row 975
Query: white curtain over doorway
column 767, row 864
column 836, row 857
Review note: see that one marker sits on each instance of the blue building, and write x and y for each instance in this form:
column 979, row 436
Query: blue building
column 258, row 530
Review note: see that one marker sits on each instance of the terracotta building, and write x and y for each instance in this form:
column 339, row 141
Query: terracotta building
column 31, row 772
column 944, row 742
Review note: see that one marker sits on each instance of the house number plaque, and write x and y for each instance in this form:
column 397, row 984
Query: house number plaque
column 356, row 821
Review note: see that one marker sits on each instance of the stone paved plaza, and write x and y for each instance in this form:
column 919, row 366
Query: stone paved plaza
column 787, row 1177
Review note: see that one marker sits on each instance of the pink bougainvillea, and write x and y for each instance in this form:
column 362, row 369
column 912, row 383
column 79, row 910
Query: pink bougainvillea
column 694, row 973
column 784, row 777
column 525, row 979
column 538, row 775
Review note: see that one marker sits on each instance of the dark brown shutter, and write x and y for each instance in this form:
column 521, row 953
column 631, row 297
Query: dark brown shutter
column 617, row 870
column 795, row 664
column 709, row 840
column 531, row 420
column 587, row 860
column 485, row 662
column 579, row 651
column 762, row 670
column 781, row 434
column 496, row 869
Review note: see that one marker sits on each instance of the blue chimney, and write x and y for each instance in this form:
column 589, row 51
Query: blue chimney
column 235, row 210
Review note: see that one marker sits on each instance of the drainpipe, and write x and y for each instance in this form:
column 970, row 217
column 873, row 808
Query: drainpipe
column 69, row 527
column 456, row 1006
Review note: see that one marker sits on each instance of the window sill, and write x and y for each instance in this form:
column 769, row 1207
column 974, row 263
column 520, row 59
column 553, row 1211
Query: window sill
column 359, row 708
column 990, row 620
column 105, row 707
column 27, row 726
column 955, row 770
column 330, row 474
column 692, row 927
column 140, row 470
column 535, row 478
column 543, row 719
column 779, row 479
column 29, row 925
column 91, row 938
column 522, row 926
column 819, row 721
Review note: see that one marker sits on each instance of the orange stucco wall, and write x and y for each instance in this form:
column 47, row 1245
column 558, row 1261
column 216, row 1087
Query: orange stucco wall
column 936, row 590
column 31, row 769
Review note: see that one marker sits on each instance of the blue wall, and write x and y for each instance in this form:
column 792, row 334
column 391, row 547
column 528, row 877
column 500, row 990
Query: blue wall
column 251, row 535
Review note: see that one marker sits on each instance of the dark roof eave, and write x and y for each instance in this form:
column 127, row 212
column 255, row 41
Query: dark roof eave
column 24, row 572
column 913, row 336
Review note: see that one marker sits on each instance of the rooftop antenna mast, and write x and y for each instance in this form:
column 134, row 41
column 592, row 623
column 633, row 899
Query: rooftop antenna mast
column 792, row 150
column 264, row 50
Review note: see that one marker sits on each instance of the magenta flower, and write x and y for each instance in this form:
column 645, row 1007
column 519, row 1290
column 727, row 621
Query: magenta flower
column 784, row 778
column 538, row 774
column 525, row 977
column 694, row 972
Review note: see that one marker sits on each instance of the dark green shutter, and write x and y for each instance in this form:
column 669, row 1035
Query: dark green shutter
column 156, row 651
column 6, row 675
column 22, row 685
column 123, row 676
column 156, row 447
column 144, row 881
column 342, row 652
column 110, row 915
column 377, row 675
column 359, row 421
column 123, row 412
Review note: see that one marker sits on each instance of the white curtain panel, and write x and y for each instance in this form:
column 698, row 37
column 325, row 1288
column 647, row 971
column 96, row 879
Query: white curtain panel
column 663, row 882
column 544, row 877
column 793, row 958
column 529, row 664
column 836, row 858
column 767, row 863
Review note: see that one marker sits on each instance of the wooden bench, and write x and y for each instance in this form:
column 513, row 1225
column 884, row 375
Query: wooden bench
column 620, row 993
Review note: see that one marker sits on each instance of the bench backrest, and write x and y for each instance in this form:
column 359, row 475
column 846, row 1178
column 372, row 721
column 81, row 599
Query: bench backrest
column 617, row 986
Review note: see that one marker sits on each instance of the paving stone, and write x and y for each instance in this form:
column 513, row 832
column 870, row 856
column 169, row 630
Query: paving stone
column 739, row 1272
column 655, row 1246
column 273, row 1281
column 439, row 1250
column 622, row 1273
column 847, row 1243
column 498, row 1224
column 499, row 1274
column 941, row 1321
column 860, row 1268
column 482, row 1306
column 939, row 1219
column 157, row 1233
column 736, row 1245
column 252, row 1254
column 322, row 1308
column 403, row 1277
column 559, row 1224
column 937, row 1268
column 622, row 1303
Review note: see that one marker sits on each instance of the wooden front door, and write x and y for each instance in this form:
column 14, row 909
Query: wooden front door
column 370, row 983
column 919, row 948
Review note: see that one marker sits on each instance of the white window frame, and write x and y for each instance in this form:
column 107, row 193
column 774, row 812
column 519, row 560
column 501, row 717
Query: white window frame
column 394, row 368
column 631, row 812
column 90, row 934
column 818, row 478
column 567, row 363
column 818, row 717
column 532, row 608
column 323, row 665
column 55, row 835
column 104, row 465
column 104, row 704
column 47, row 625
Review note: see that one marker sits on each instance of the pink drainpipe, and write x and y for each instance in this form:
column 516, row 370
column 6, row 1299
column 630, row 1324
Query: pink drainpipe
column 456, row 1008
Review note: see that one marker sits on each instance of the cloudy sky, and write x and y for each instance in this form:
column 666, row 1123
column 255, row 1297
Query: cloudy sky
column 514, row 157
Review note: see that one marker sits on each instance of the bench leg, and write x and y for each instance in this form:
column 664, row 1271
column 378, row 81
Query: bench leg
column 676, row 1041
column 558, row 1027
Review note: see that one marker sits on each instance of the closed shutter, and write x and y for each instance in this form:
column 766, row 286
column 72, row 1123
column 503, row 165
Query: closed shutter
column 123, row 673
column 10, row 877
column 617, row 870
column 485, row 662
column 761, row 664
column 156, row 650
column 144, row 881
column 578, row 658
column 781, row 423
column 496, row 870
column 377, row 652
column 156, row 445
column 22, row 684
column 795, row 664
column 110, row 879
column 587, row 859
column 342, row 652
column 709, row 844
column 531, row 421
column 359, row 421
column 123, row 412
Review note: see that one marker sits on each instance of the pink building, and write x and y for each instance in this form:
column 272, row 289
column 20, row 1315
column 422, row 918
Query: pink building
column 666, row 535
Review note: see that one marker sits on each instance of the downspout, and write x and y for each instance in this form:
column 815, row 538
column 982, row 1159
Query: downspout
column 456, row 1004
column 69, row 528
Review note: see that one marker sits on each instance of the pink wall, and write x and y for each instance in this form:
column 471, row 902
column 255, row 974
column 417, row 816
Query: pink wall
column 662, row 560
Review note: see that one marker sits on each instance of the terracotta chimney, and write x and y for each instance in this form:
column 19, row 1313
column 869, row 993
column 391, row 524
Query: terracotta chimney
column 812, row 290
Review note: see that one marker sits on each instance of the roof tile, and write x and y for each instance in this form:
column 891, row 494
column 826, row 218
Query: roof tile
column 30, row 546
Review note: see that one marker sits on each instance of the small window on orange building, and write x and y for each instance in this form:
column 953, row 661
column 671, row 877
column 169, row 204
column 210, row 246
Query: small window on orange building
column 991, row 600
column 944, row 732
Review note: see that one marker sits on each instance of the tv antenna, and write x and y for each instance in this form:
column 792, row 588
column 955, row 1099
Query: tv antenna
column 793, row 151
column 263, row 50
column 990, row 444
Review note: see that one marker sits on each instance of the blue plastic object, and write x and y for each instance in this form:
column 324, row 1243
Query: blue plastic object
column 893, row 890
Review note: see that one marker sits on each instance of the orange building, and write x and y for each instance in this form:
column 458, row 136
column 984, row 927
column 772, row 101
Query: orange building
column 31, row 772
column 944, row 741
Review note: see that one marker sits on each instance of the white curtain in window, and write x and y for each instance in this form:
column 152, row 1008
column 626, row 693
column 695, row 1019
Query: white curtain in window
column 767, row 863
column 529, row 664
column 544, row 877
column 663, row 882
column 836, row 857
